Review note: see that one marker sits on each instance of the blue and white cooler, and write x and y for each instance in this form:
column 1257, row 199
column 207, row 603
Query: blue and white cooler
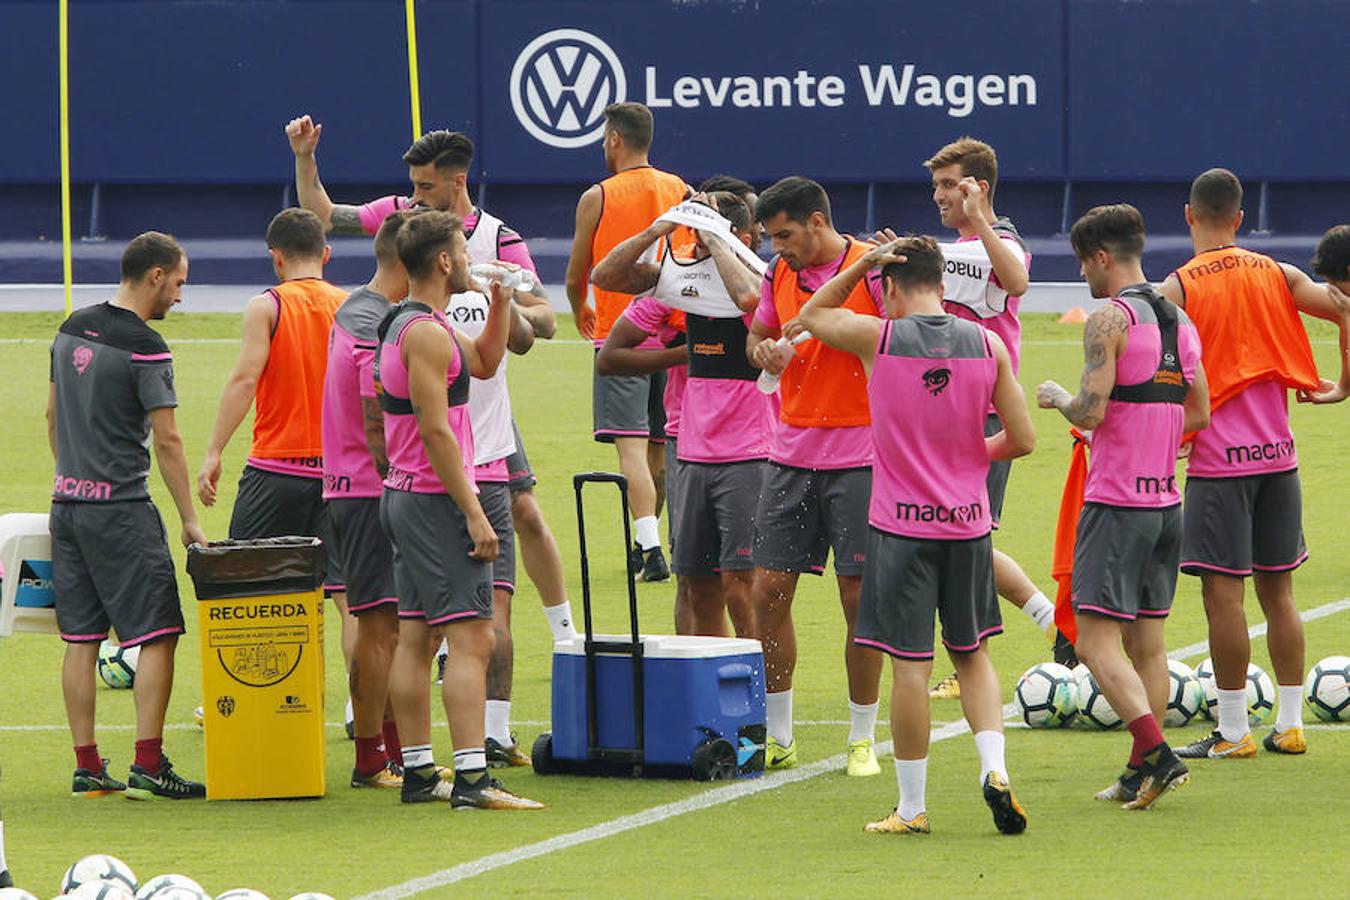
column 701, row 711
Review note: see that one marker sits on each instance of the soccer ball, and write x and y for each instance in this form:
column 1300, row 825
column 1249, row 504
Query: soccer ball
column 1093, row 709
column 98, row 867
column 13, row 893
column 242, row 894
column 1185, row 696
column 1046, row 696
column 1327, row 689
column 102, row 890
column 117, row 665
column 172, row 887
column 1260, row 692
column 307, row 895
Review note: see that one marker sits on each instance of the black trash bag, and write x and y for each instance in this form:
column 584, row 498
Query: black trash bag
column 278, row 565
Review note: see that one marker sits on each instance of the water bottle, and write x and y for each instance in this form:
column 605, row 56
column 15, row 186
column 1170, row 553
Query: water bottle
column 511, row 279
column 768, row 382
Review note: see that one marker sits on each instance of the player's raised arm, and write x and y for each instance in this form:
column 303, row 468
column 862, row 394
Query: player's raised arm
column 579, row 262
column 623, row 268
column 1009, row 265
column 303, row 134
column 484, row 353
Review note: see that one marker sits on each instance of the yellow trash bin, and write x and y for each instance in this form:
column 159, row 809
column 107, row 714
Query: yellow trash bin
column 260, row 622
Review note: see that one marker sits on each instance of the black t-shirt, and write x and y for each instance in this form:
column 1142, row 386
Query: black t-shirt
column 110, row 370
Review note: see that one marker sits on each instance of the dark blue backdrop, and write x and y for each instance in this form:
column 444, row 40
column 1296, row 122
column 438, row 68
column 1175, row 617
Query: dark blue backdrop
column 173, row 91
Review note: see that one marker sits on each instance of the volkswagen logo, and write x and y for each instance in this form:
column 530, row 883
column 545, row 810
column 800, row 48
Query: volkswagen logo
column 560, row 85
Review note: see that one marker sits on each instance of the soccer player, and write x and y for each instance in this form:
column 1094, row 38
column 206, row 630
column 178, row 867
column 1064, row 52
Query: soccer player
column 725, row 420
column 354, row 464
column 438, row 169
column 815, row 492
column 111, row 399
column 494, row 443
column 443, row 542
column 1142, row 388
column 1244, row 506
column 986, row 286
column 930, row 380
column 626, row 408
column 1332, row 259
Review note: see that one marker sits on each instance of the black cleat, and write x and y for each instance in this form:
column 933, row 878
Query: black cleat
column 166, row 784
column 95, row 784
column 424, row 788
column 1065, row 654
column 1009, row 816
column 1167, row 774
column 487, row 793
column 1125, row 788
column 654, row 566
column 5, row 880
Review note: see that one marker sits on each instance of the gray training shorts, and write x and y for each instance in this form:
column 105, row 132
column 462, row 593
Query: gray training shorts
column 673, row 469
column 437, row 579
column 270, row 504
column 996, row 483
column 496, row 500
column 805, row 513
column 716, row 528
column 910, row 582
column 1233, row 526
column 1125, row 561
column 111, row 568
column 629, row 406
column 362, row 549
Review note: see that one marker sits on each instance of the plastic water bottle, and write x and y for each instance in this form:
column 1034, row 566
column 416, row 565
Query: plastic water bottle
column 768, row 382
column 511, row 279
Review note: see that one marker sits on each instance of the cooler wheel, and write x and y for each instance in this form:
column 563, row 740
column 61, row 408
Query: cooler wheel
column 542, row 755
column 714, row 760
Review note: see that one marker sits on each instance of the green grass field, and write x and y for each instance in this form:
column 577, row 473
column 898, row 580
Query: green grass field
column 801, row 839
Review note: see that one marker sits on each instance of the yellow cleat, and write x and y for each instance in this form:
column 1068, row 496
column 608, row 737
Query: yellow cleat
column 387, row 777
column 199, row 717
column 946, row 689
column 776, row 756
column 1009, row 816
column 501, row 756
column 1215, row 747
column 1288, row 741
column 893, row 824
column 862, row 759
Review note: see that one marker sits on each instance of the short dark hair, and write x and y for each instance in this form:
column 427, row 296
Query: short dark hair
column 922, row 267
column 729, row 183
column 423, row 237
column 976, row 159
column 1216, row 195
column 386, row 239
column 445, row 149
column 1332, row 259
column 297, row 232
column 1116, row 228
column 733, row 209
column 633, row 122
column 151, row 250
column 795, row 196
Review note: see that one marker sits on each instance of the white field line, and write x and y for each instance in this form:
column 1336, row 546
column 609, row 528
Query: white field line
column 1308, row 615
column 704, row 800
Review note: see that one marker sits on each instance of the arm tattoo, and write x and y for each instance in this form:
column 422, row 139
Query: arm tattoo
column 1086, row 409
column 346, row 219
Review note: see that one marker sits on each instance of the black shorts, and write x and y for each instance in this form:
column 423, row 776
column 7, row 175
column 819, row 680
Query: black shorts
column 495, row 497
column 362, row 548
column 437, row 579
column 715, row 533
column 629, row 406
column 270, row 504
column 805, row 513
column 111, row 568
column 908, row 582
column 1125, row 561
column 521, row 476
column 1236, row 525
column 996, row 483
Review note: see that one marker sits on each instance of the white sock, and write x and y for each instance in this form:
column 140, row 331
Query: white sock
column 417, row 756
column 778, row 716
column 351, row 715
column 560, row 621
column 862, row 720
column 445, row 648
column 497, row 721
column 470, row 759
column 1233, row 723
column 989, row 744
column 1290, row 712
column 1040, row 610
column 3, row 865
column 912, row 775
column 648, row 534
